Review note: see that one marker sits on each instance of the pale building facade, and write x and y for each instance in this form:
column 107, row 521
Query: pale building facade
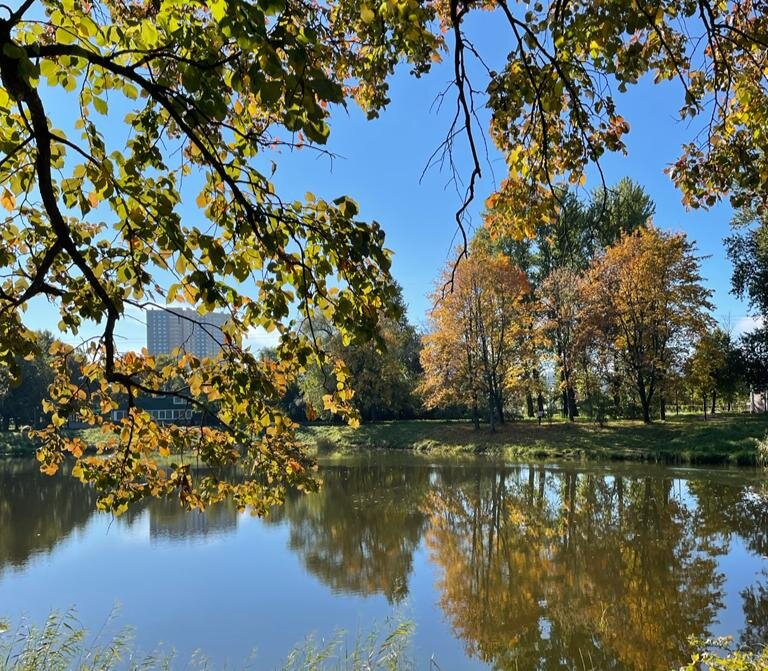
column 199, row 335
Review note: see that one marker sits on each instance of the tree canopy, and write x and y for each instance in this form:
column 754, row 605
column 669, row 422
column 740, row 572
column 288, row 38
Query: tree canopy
column 93, row 223
column 645, row 297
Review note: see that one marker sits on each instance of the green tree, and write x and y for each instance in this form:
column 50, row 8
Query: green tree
column 23, row 396
column 747, row 249
column 754, row 352
column 383, row 373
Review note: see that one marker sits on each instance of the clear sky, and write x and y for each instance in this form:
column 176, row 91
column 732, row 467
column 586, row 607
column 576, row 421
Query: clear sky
column 380, row 162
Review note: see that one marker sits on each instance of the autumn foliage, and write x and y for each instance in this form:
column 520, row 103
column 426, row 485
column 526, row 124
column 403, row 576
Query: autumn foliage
column 624, row 324
column 480, row 321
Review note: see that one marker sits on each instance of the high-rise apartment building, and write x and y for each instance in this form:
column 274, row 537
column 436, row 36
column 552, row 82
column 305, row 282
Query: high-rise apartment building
column 185, row 329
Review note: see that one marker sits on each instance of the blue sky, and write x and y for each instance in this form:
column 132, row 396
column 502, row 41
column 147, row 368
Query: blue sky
column 380, row 162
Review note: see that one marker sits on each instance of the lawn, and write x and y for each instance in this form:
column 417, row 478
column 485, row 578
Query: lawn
column 723, row 439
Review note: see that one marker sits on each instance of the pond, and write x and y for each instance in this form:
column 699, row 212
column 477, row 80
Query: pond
column 499, row 565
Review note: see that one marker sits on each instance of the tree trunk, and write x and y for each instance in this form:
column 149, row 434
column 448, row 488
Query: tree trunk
column 705, row 406
column 662, row 408
column 492, row 411
column 714, row 400
column 475, row 413
column 540, row 403
column 529, row 404
column 573, row 411
column 645, row 400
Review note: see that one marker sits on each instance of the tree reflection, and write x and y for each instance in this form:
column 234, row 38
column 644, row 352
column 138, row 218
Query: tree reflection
column 37, row 511
column 358, row 534
column 755, row 599
column 552, row 570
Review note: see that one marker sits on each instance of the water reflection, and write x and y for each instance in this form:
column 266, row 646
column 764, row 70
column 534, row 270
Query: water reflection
column 537, row 568
column 544, row 570
column 37, row 512
column 755, row 598
column 359, row 533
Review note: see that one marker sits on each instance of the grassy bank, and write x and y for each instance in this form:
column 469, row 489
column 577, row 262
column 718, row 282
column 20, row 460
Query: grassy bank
column 726, row 439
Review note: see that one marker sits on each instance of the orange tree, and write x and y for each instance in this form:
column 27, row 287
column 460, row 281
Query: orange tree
column 472, row 346
column 645, row 299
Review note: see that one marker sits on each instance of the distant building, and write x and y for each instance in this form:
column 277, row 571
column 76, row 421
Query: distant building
column 163, row 409
column 199, row 335
column 167, row 521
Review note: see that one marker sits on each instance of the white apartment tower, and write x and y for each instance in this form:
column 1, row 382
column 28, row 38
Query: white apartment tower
column 199, row 335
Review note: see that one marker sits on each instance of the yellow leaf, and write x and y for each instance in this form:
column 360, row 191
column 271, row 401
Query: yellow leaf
column 202, row 200
column 367, row 15
column 8, row 200
column 93, row 199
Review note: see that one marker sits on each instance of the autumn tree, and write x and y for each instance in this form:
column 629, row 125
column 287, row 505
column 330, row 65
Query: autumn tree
column 478, row 315
column 704, row 367
column 645, row 298
column 565, row 246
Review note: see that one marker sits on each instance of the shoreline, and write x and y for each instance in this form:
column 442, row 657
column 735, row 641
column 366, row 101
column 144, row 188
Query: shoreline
column 725, row 440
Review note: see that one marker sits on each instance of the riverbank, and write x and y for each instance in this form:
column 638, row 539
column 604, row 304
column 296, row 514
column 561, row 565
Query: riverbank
column 19, row 444
column 724, row 439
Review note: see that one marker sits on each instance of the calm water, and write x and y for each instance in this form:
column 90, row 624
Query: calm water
column 502, row 566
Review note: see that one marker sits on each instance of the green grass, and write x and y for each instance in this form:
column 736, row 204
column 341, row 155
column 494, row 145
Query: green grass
column 724, row 439
column 62, row 644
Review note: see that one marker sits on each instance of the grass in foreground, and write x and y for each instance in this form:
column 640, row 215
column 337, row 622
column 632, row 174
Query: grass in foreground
column 62, row 645
column 724, row 439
